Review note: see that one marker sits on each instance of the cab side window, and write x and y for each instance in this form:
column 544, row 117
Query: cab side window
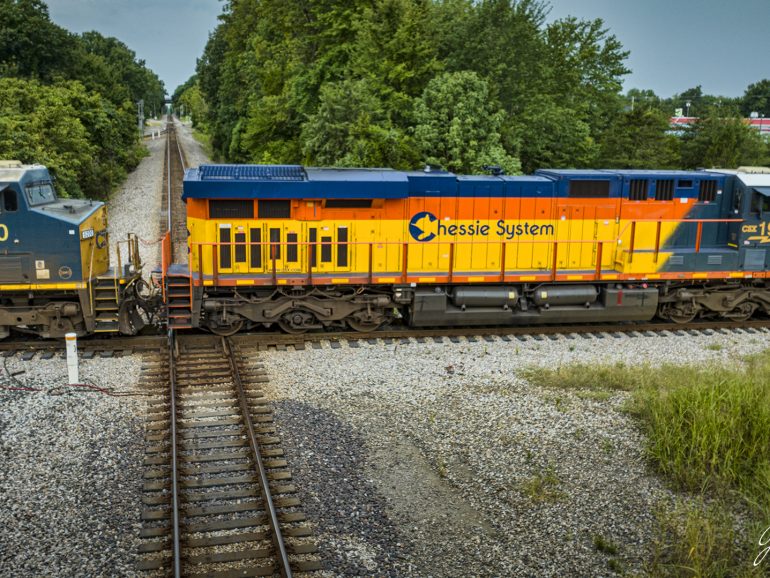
column 9, row 203
column 760, row 203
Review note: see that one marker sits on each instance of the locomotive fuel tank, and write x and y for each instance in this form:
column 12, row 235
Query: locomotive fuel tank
column 548, row 295
column 505, row 297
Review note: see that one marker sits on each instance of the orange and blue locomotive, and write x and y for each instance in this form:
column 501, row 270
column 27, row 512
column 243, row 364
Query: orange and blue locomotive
column 306, row 248
column 55, row 273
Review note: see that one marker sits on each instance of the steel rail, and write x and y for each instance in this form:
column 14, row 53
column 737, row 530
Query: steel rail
column 182, row 159
column 168, row 171
column 272, row 338
column 282, row 557
column 155, row 342
column 176, row 548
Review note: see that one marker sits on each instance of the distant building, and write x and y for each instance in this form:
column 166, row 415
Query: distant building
column 678, row 123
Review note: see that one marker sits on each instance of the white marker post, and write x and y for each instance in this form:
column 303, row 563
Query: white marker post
column 72, row 357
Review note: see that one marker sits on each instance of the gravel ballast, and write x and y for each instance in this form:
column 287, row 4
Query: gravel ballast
column 193, row 149
column 136, row 207
column 438, row 460
column 71, row 460
column 71, row 470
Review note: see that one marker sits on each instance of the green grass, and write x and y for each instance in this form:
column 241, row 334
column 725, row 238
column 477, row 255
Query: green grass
column 708, row 432
column 580, row 376
column 205, row 140
column 543, row 487
column 715, row 347
column 604, row 545
column 696, row 540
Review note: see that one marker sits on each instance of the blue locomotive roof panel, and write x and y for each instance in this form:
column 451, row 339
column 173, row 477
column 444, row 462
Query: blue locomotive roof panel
column 297, row 182
column 292, row 182
column 252, row 172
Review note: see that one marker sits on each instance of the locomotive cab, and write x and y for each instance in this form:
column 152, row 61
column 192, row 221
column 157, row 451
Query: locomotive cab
column 54, row 259
column 43, row 239
column 749, row 233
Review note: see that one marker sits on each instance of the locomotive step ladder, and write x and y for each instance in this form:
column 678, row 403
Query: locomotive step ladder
column 178, row 298
column 106, row 305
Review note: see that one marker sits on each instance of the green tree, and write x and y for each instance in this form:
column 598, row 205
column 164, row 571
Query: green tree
column 757, row 99
column 586, row 65
column 552, row 136
column 395, row 53
column 502, row 41
column 644, row 99
column 84, row 140
column 194, row 104
column 458, row 125
column 351, row 128
column 723, row 142
column 128, row 78
column 31, row 45
column 640, row 139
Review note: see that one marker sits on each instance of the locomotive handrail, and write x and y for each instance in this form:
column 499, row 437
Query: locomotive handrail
column 91, row 279
column 165, row 261
column 551, row 269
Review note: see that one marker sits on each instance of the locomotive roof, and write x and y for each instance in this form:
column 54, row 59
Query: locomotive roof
column 640, row 173
column 292, row 181
column 296, row 181
column 750, row 179
column 13, row 173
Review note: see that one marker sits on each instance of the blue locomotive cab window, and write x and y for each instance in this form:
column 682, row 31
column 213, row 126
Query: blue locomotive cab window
column 760, row 200
column 10, row 203
column 40, row 193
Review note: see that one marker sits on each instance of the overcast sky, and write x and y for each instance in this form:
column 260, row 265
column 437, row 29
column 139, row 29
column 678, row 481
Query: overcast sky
column 674, row 44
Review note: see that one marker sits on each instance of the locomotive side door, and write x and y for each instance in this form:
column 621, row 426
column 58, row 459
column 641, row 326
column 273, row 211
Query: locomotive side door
column 275, row 244
column 257, row 250
column 225, row 248
column 334, row 253
column 14, row 265
column 240, row 250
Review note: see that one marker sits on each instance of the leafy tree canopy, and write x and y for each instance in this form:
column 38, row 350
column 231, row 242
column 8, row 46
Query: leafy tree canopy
column 458, row 125
column 69, row 101
column 719, row 141
column 458, row 82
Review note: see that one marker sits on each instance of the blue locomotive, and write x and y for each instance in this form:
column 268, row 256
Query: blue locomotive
column 55, row 273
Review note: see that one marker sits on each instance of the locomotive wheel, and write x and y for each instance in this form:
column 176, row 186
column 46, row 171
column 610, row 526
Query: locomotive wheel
column 227, row 330
column 297, row 321
column 680, row 313
column 681, row 317
column 363, row 326
column 287, row 327
column 743, row 312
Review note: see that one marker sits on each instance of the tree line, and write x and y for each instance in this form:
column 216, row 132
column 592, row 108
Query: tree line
column 459, row 83
column 68, row 101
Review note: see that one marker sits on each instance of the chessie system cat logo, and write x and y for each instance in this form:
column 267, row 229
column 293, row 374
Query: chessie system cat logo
column 426, row 226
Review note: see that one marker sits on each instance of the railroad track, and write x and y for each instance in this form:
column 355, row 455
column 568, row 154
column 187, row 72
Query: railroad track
column 173, row 210
column 266, row 340
column 218, row 498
